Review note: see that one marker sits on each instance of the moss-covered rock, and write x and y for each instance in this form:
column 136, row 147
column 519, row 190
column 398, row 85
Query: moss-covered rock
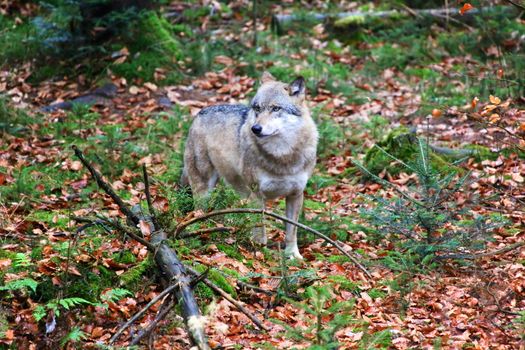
column 400, row 143
column 156, row 29
column 155, row 45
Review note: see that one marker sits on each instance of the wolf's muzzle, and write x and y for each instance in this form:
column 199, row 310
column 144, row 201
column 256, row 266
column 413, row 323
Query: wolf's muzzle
column 257, row 129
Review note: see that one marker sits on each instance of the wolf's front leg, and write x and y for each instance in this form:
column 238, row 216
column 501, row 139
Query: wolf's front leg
column 293, row 206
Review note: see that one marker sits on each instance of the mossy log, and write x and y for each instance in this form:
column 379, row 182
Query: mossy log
column 355, row 18
column 400, row 143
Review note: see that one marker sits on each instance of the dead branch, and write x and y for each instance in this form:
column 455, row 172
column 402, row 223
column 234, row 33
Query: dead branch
column 105, row 187
column 142, row 311
column 119, row 227
column 482, row 255
column 185, row 224
column 165, row 308
column 148, row 197
column 517, row 5
column 226, row 296
column 172, row 269
column 205, row 231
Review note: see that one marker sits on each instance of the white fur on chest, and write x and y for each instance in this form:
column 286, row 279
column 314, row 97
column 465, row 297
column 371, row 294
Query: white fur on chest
column 273, row 186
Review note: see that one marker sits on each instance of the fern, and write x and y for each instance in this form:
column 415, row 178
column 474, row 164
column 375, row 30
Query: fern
column 24, row 283
column 21, row 260
column 56, row 306
column 74, row 336
column 39, row 312
column 114, row 295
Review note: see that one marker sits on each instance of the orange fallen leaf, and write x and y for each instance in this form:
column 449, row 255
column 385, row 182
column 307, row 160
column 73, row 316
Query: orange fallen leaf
column 474, row 102
column 465, row 8
column 494, row 118
column 494, row 100
column 5, row 262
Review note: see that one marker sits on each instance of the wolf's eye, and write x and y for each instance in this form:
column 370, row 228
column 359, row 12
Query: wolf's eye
column 276, row 109
column 256, row 108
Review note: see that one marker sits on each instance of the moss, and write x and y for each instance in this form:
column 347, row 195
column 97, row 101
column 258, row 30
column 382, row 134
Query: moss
column 217, row 278
column 54, row 218
column 134, row 274
column 124, row 257
column 155, row 46
column 90, row 284
column 350, row 21
column 230, row 250
column 231, row 272
column 7, row 254
column 157, row 29
column 376, row 293
column 401, row 144
column 203, row 291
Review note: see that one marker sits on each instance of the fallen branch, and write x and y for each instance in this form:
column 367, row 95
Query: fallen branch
column 172, row 269
column 453, row 153
column 185, row 224
column 205, row 231
column 226, row 296
column 482, row 255
column 148, row 197
column 141, row 312
column 165, row 308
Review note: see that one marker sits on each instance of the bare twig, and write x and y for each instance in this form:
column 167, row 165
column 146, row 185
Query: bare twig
column 515, row 4
column 98, row 178
column 185, row 224
column 166, row 307
column 226, row 296
column 199, row 278
column 482, row 255
column 118, row 226
column 205, row 231
column 148, row 198
column 142, row 311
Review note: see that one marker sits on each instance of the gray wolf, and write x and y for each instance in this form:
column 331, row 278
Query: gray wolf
column 264, row 151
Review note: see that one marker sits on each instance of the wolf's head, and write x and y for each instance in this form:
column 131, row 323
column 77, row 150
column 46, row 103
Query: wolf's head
column 278, row 109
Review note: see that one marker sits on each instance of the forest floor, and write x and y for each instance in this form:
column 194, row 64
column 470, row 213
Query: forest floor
column 453, row 87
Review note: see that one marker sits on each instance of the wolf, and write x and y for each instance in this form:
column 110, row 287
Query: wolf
column 264, row 151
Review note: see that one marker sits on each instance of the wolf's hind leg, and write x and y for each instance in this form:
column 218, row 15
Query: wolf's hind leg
column 293, row 207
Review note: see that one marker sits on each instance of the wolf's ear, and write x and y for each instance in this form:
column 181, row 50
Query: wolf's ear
column 297, row 87
column 267, row 77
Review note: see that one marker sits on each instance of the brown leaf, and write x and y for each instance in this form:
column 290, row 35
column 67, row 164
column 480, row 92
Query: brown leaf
column 77, row 185
column 145, row 228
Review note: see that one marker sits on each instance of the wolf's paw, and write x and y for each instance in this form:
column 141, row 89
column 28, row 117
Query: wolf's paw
column 259, row 235
column 293, row 253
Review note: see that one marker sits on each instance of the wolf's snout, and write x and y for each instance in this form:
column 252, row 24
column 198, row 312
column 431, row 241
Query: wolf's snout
column 256, row 129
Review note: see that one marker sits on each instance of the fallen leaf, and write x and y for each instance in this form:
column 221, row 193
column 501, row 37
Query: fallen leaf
column 494, row 100
column 465, row 8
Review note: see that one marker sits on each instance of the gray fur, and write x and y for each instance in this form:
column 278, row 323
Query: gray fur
column 275, row 163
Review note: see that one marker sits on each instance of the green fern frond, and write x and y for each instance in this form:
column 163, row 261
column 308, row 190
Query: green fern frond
column 24, row 283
